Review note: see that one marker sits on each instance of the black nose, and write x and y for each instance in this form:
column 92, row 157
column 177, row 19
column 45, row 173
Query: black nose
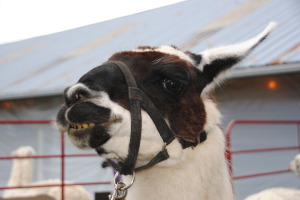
column 76, row 94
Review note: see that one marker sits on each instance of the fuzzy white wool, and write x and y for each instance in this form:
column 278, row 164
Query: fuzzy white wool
column 71, row 192
column 276, row 194
column 189, row 174
column 214, row 117
column 167, row 50
column 172, row 51
column 294, row 165
column 151, row 142
column 17, row 176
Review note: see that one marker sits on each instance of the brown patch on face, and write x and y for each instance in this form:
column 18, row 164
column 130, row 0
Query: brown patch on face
column 186, row 115
column 188, row 120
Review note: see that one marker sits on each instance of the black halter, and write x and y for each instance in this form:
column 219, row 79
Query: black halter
column 139, row 99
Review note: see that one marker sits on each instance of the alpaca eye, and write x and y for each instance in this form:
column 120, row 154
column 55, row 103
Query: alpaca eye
column 172, row 86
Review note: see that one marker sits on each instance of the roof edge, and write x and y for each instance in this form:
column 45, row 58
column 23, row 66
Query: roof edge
column 19, row 96
column 236, row 73
column 285, row 68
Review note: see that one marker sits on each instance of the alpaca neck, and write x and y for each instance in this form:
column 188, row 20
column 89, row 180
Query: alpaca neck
column 21, row 173
column 201, row 173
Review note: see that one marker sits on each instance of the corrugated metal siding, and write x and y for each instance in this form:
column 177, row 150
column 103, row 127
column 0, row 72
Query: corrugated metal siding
column 47, row 64
column 282, row 39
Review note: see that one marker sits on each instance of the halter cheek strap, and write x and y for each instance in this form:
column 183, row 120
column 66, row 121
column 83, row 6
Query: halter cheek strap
column 137, row 100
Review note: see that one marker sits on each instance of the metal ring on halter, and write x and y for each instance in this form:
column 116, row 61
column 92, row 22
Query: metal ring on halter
column 127, row 186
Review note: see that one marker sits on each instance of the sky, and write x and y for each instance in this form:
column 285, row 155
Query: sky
column 23, row 19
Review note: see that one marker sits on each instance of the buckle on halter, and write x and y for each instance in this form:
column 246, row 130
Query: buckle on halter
column 120, row 188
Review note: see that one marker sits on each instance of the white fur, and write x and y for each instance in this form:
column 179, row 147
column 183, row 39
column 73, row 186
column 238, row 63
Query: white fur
column 21, row 175
column 184, row 166
column 17, row 176
column 294, row 165
column 151, row 141
column 168, row 50
column 172, row 51
column 193, row 173
column 276, row 194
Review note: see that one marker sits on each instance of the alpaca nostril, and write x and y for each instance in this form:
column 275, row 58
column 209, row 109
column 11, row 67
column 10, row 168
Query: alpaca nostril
column 75, row 94
column 79, row 96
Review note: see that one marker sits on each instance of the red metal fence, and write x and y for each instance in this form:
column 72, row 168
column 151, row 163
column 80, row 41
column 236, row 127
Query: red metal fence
column 229, row 152
column 62, row 155
column 228, row 140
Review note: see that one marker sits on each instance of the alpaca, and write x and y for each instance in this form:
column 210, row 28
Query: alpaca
column 100, row 113
column 294, row 165
column 21, row 175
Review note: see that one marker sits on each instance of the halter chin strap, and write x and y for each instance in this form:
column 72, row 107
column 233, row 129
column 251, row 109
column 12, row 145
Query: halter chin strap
column 139, row 99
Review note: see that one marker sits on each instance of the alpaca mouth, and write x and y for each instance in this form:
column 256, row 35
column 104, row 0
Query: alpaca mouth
column 90, row 135
column 91, row 125
column 82, row 126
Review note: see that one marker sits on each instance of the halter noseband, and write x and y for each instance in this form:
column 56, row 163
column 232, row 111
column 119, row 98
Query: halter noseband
column 137, row 100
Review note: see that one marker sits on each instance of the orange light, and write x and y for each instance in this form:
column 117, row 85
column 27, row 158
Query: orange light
column 272, row 85
column 7, row 105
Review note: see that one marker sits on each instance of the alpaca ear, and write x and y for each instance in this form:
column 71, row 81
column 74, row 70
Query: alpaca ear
column 214, row 62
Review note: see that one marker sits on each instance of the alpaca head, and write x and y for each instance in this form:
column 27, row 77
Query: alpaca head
column 96, row 113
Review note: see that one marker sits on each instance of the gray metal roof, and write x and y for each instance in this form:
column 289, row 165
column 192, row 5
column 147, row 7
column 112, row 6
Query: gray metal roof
column 46, row 65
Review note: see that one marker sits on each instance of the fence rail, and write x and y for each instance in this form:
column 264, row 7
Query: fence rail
column 62, row 156
column 229, row 152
